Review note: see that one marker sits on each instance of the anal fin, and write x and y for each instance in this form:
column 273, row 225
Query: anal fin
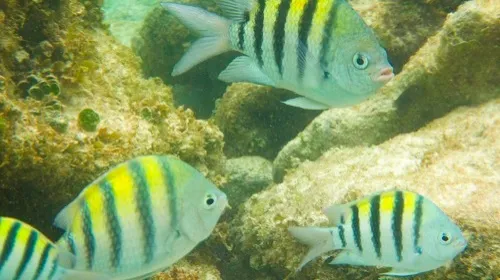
column 244, row 69
column 306, row 103
column 347, row 257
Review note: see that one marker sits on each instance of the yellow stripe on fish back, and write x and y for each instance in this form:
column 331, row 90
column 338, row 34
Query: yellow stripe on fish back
column 320, row 19
column 154, row 175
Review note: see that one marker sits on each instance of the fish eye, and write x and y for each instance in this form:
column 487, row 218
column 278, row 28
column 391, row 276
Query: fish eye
column 210, row 200
column 360, row 61
column 445, row 238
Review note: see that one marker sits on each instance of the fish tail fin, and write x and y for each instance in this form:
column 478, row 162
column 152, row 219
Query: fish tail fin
column 319, row 240
column 214, row 31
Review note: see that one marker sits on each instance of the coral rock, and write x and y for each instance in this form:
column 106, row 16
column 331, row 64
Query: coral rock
column 453, row 161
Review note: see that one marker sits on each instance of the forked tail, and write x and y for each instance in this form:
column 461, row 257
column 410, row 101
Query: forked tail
column 319, row 240
column 214, row 31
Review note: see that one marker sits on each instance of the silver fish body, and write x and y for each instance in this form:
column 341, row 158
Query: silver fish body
column 140, row 217
column 397, row 229
column 319, row 49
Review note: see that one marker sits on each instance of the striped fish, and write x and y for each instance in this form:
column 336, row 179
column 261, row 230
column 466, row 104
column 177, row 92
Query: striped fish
column 25, row 253
column 319, row 49
column 397, row 229
column 140, row 217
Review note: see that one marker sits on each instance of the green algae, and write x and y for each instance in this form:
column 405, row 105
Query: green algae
column 88, row 119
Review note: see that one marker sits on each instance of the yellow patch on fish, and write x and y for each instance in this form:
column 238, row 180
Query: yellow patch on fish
column 319, row 21
column 387, row 202
column 123, row 186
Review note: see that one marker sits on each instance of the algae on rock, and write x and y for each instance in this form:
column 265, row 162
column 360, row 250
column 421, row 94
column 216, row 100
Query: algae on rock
column 255, row 121
column 454, row 161
column 45, row 158
column 458, row 66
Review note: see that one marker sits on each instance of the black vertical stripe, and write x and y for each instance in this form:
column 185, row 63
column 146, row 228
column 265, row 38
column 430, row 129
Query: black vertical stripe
column 9, row 244
column 355, row 227
column 143, row 199
column 113, row 226
column 241, row 31
column 71, row 243
column 397, row 221
column 327, row 32
column 417, row 222
column 53, row 270
column 279, row 33
column 43, row 261
column 258, row 31
column 304, row 28
column 342, row 235
column 27, row 254
column 171, row 192
column 375, row 223
column 88, row 235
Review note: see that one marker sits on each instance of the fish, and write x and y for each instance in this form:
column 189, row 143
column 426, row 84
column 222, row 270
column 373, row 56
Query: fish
column 140, row 217
column 26, row 253
column 322, row 50
column 401, row 230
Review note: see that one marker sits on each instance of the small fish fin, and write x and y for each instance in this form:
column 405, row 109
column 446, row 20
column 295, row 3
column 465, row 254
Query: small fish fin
column 319, row 240
column 335, row 213
column 235, row 9
column 306, row 103
column 214, row 30
column 69, row 274
column 64, row 219
column 64, row 257
column 347, row 257
column 400, row 272
column 244, row 69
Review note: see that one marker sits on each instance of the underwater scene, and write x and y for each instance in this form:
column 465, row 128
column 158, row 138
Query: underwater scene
column 249, row 139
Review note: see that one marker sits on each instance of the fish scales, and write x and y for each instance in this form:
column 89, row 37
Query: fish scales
column 128, row 223
column 386, row 229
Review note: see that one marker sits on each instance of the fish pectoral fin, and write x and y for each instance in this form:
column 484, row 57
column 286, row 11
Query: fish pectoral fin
column 306, row 103
column 235, row 9
column 347, row 257
column 244, row 69
column 400, row 272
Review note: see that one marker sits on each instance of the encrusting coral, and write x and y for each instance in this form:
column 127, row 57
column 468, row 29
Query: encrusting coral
column 46, row 157
column 453, row 161
column 458, row 66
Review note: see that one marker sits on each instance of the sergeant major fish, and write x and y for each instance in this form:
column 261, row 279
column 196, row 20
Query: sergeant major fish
column 140, row 217
column 319, row 49
column 397, row 229
column 25, row 253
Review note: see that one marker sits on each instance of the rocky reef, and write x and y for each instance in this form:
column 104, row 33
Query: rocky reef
column 455, row 67
column 73, row 103
column 453, row 161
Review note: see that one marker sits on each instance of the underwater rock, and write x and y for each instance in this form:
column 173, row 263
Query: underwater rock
column 246, row 176
column 161, row 43
column 404, row 26
column 191, row 268
column 45, row 158
column 255, row 121
column 453, row 161
column 458, row 66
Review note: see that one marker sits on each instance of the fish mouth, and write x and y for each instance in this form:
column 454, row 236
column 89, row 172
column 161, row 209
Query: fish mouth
column 385, row 75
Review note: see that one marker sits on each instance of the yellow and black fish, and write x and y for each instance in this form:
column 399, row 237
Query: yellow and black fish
column 25, row 253
column 398, row 229
column 319, row 49
column 140, row 217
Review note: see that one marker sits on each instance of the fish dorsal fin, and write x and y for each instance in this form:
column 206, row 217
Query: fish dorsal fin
column 236, row 10
column 336, row 213
column 64, row 218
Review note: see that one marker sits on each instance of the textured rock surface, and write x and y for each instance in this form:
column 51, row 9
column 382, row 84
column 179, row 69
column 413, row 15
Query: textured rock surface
column 246, row 176
column 454, row 161
column 457, row 66
column 255, row 121
column 45, row 157
column 193, row 267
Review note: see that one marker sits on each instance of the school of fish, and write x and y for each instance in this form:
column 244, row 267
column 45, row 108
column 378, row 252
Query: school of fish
column 145, row 214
